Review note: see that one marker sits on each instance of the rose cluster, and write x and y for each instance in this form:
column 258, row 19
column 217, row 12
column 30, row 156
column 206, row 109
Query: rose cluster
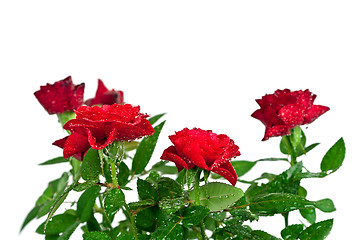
column 106, row 118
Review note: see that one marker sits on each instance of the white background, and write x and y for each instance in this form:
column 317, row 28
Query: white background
column 202, row 62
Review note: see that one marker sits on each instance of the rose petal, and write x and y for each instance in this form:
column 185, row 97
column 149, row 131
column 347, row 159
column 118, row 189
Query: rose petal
column 170, row 154
column 104, row 96
column 314, row 112
column 227, row 171
column 280, row 130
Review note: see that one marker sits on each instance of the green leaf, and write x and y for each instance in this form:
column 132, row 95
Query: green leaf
column 153, row 178
column 125, row 236
column 168, row 231
column 96, row 236
column 90, row 167
column 317, row 231
column 129, row 146
column 166, row 169
column 256, row 234
column 69, row 231
column 123, row 174
column 146, row 190
column 137, row 206
column 282, row 183
column 190, row 176
column 155, row 118
column 31, row 215
column 308, row 148
column 171, row 205
column 309, row 214
column 275, row 203
column 83, row 186
column 295, row 137
column 292, row 232
column 86, row 203
column 217, row 196
column 168, row 188
column 60, row 198
column 239, row 230
column 334, row 157
column 55, row 161
column 76, row 169
column 92, row 224
column 193, row 215
column 58, row 224
column 243, row 214
column 145, row 150
column 300, row 176
column 325, row 205
column 114, row 200
column 146, row 218
column 242, row 167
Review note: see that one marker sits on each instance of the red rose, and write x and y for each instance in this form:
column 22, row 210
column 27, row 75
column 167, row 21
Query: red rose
column 205, row 149
column 61, row 96
column 97, row 127
column 284, row 110
column 104, row 96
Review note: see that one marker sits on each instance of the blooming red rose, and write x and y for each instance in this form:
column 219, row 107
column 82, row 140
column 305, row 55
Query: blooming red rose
column 61, row 96
column 97, row 127
column 284, row 110
column 205, row 149
column 105, row 96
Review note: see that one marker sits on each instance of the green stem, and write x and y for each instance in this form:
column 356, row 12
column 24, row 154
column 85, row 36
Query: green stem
column 101, row 156
column 113, row 174
column 197, row 200
column 293, row 161
column 286, row 217
column 132, row 221
column 290, row 147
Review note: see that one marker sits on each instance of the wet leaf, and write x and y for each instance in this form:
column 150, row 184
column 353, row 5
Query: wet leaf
column 258, row 234
column 123, row 174
column 168, row 231
column 60, row 198
column 309, row 214
column 96, row 236
column 113, row 201
column 146, row 218
column 145, row 150
column 171, row 205
column 317, row 231
column 58, row 224
column 146, row 190
column 90, row 167
column 125, row 236
column 292, row 232
column 168, row 188
column 217, row 196
column 69, row 231
column 334, row 157
column 243, row 215
column 193, row 215
column 275, row 203
column 282, row 183
column 83, row 186
column 86, row 203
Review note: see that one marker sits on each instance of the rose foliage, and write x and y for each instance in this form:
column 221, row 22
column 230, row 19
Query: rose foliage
column 196, row 190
